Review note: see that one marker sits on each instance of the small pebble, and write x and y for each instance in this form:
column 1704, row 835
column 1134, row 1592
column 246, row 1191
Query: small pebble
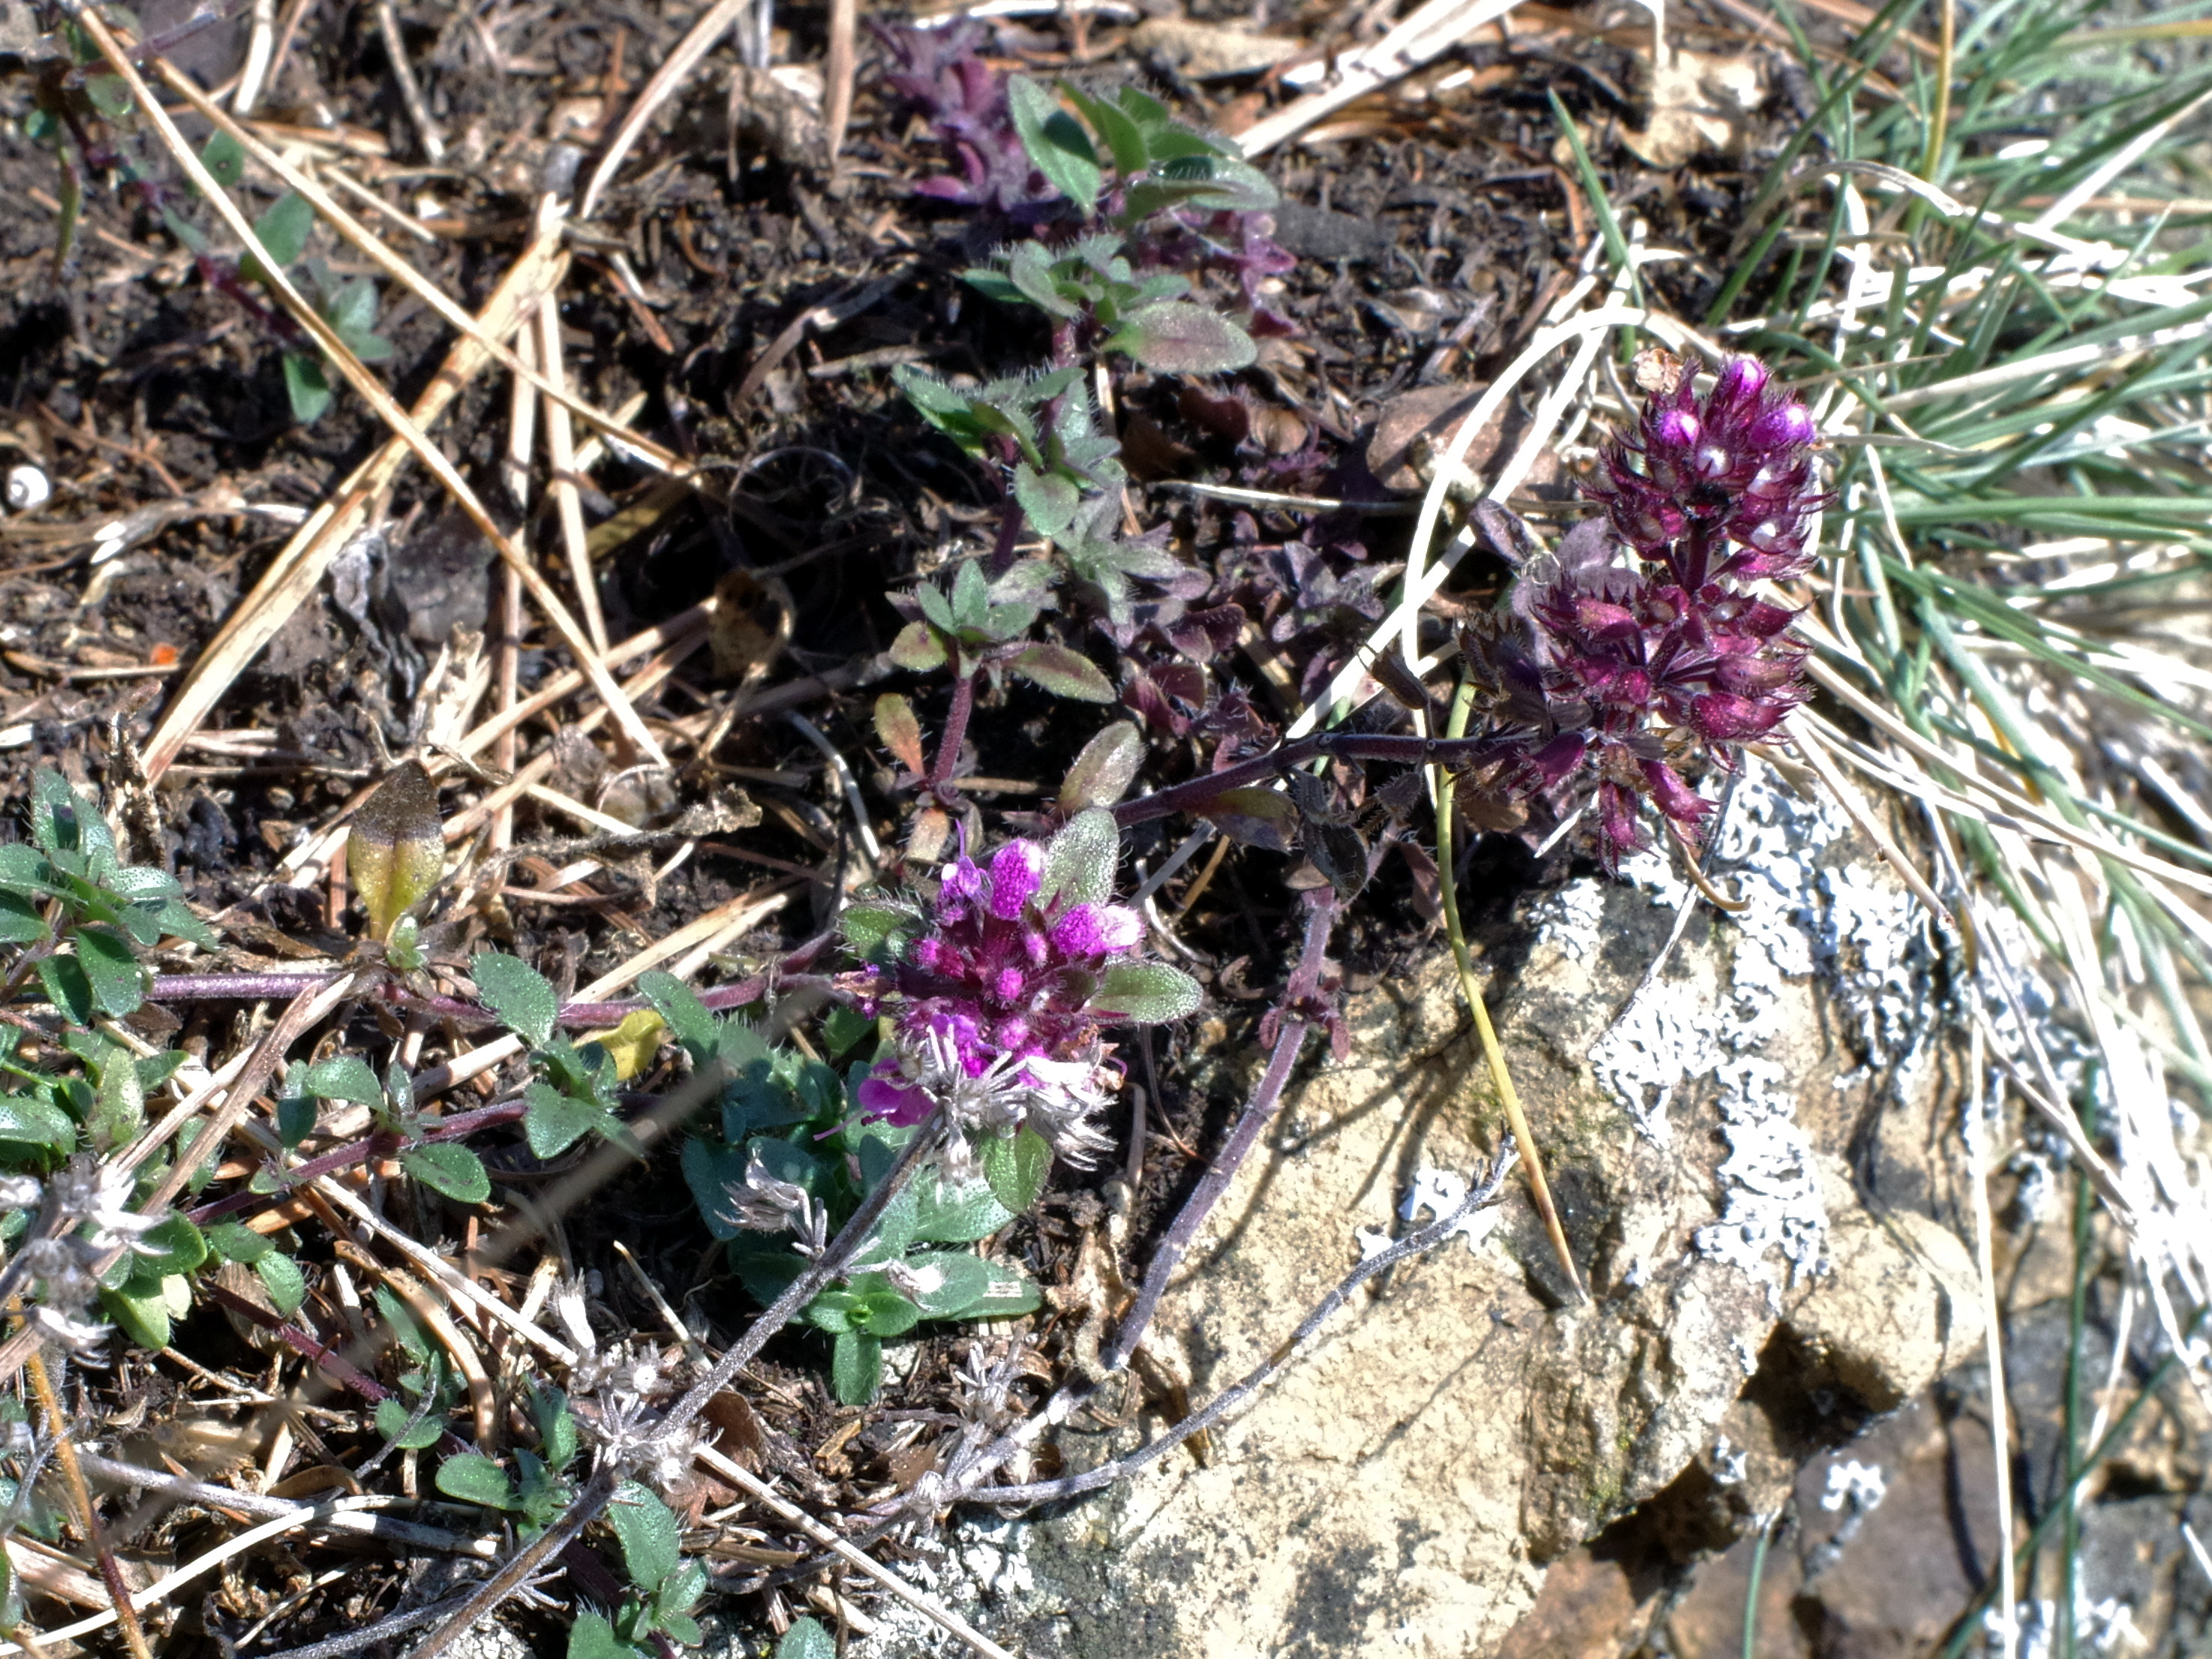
column 27, row 488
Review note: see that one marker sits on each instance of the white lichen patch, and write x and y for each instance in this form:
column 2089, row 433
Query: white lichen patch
column 1803, row 915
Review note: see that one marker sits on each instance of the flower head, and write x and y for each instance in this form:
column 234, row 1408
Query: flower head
column 1637, row 646
column 1017, row 966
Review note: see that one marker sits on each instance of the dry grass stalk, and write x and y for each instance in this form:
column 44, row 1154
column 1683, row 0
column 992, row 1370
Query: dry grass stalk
column 285, row 586
column 696, row 43
column 640, row 448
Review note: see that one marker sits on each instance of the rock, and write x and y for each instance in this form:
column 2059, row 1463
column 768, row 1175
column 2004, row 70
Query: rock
column 1313, row 233
column 1405, row 1485
column 1207, row 51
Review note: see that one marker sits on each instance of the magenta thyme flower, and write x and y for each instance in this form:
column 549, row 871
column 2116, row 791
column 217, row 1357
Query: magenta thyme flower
column 1003, row 985
column 1621, row 670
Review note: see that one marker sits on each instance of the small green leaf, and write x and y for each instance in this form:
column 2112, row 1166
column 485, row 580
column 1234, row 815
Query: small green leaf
column 844, row 1028
column 172, row 1246
column 1057, row 145
column 234, row 1242
column 352, row 310
column 1145, row 993
column 558, row 1443
column 281, row 1277
column 678, row 1005
column 343, row 1077
column 1049, row 498
column 119, row 1103
column 1010, row 1294
column 306, row 388
column 283, row 226
column 870, row 929
column 518, row 994
column 21, row 923
column 675, row 1596
column 22, row 871
column 652, row 1542
column 119, row 983
column 554, row 1122
column 945, row 1283
column 1029, row 271
column 449, row 1169
column 475, row 1478
column 806, row 1639
column 1063, row 672
column 224, row 157
column 919, row 649
column 832, row 1311
column 144, row 1317
column 295, row 1120
column 714, row 1172
column 405, row 1331
column 110, row 95
column 948, row 1213
column 62, row 821
column 1015, row 1168
column 405, row 1429
column 1081, row 859
column 971, row 597
column 936, row 608
column 1123, row 137
column 67, row 987
column 28, row 1121
column 592, row 1637
column 856, row 1369
column 881, row 1312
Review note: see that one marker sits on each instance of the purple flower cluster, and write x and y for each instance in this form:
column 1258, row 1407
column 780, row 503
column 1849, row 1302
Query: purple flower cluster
column 1623, row 670
column 965, row 99
column 997, row 1028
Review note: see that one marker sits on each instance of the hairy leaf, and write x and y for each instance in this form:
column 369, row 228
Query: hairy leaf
column 1103, row 773
column 1058, row 146
column 119, row 983
column 1063, row 672
column 28, row 1121
column 856, row 1370
column 652, row 1542
column 1080, row 861
column 1015, row 1167
column 553, row 1122
column 918, row 649
column 1145, row 992
column 518, row 994
column 452, row 1169
column 343, row 1077
column 901, row 731
column 1179, row 336
column 475, row 1478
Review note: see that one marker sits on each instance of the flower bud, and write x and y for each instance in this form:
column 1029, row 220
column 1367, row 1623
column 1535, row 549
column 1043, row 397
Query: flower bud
column 1016, row 872
column 1097, row 930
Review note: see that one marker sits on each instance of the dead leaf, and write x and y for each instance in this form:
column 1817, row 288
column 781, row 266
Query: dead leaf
column 1149, row 453
column 751, row 625
column 1207, row 51
column 1424, row 418
column 1699, row 103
